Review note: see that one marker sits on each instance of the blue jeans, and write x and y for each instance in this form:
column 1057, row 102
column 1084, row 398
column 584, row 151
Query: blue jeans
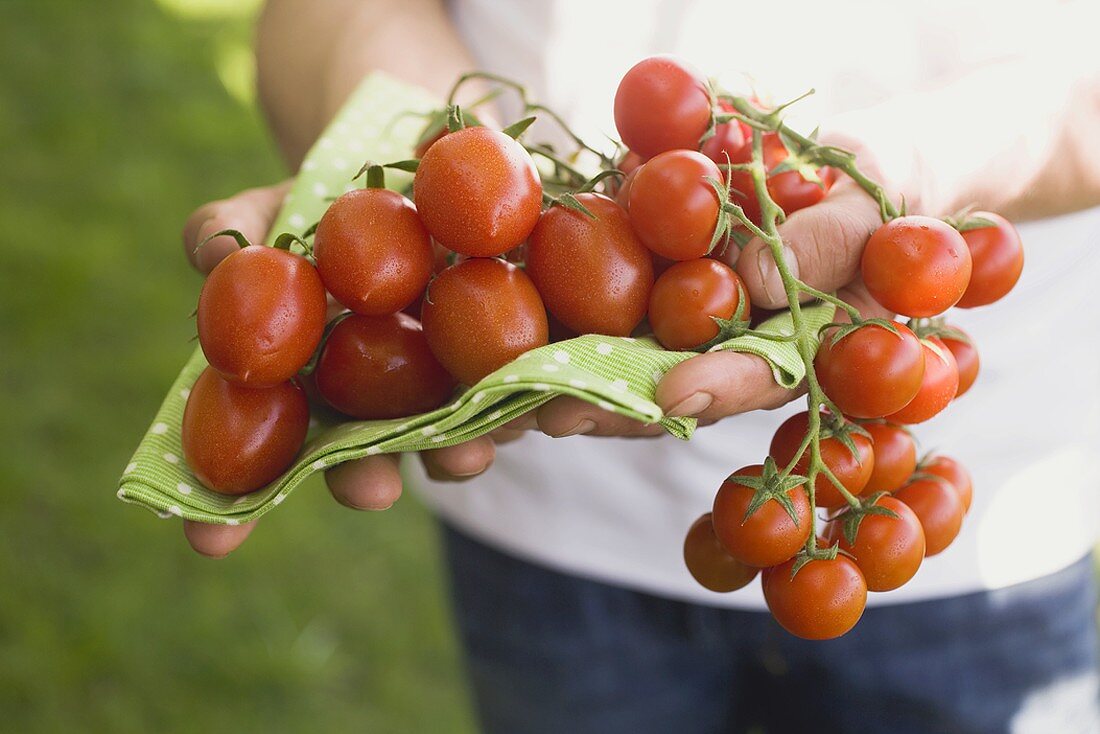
column 554, row 653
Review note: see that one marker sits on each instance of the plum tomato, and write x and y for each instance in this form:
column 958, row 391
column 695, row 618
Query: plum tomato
column 853, row 471
column 768, row 536
column 955, row 473
column 916, row 266
column 481, row 314
column 375, row 367
column 709, row 563
column 966, row 358
column 592, row 273
column 261, row 315
column 238, row 439
column 938, row 386
column 688, row 296
column 939, row 508
column 871, row 372
column 888, row 550
column 477, row 191
column 822, row 601
column 372, row 252
column 998, row 260
column 895, row 457
column 673, row 208
column 662, row 103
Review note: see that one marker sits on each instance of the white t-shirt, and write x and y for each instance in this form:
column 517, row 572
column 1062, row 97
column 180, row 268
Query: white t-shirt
column 1029, row 430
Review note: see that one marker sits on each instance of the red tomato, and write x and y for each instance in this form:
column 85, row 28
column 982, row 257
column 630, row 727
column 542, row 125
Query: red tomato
column 238, row 439
column 375, row 367
column 895, row 457
column 709, row 563
column 888, row 550
column 372, row 252
column 593, row 274
column 728, row 142
column 823, row 600
column 788, row 189
column 261, row 315
column 998, row 257
column 916, row 266
column 662, row 103
column 630, row 162
column 852, row 471
column 672, row 207
column 478, row 192
column 687, row 296
column 955, row 473
column 481, row 314
column 966, row 359
column 768, row 536
column 871, row 372
column 938, row 386
column 939, row 508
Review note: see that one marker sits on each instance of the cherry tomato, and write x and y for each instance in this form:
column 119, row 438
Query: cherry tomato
column 940, row 509
column 687, row 296
column 895, row 457
column 888, row 550
column 966, row 359
column 630, row 162
column 728, row 141
column 708, row 561
column 662, row 103
column 375, row 367
column 481, row 314
column 916, row 266
column 998, row 257
column 788, row 189
column 672, row 207
column 261, row 315
column 852, row 471
column 938, row 386
column 955, row 473
column 767, row 537
column 238, row 439
column 478, row 192
column 593, row 274
column 372, row 252
column 871, row 372
column 823, row 600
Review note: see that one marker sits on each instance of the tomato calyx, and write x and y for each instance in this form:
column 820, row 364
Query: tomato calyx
column 819, row 552
column 938, row 328
column 838, row 427
column 770, row 485
column 852, row 517
column 964, row 221
column 845, row 329
column 284, row 241
column 731, row 328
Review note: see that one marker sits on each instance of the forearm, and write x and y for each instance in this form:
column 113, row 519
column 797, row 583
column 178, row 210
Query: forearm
column 312, row 53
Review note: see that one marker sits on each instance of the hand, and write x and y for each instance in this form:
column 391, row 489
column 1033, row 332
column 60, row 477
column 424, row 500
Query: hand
column 372, row 483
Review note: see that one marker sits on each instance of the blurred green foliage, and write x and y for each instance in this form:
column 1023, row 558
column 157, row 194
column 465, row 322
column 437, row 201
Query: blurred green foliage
column 116, row 119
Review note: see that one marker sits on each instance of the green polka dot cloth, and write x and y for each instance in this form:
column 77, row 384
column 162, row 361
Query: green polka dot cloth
column 617, row 374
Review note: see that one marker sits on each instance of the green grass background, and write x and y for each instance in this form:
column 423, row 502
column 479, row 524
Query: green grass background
column 117, row 117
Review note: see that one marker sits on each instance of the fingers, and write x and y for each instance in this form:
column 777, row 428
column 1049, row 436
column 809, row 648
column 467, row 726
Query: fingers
column 570, row 416
column 216, row 541
column 460, row 462
column 719, row 384
column 373, row 483
column 251, row 211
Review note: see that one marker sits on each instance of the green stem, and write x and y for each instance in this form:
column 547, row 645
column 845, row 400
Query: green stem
column 851, row 310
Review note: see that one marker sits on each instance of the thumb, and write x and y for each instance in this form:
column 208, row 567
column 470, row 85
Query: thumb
column 251, row 211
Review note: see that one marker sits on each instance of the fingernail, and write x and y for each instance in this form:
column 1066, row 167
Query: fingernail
column 770, row 279
column 584, row 425
column 694, row 405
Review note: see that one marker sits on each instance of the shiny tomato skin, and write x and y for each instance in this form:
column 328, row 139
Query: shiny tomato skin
column 672, row 207
column 955, row 473
column 966, row 359
column 481, row 314
column 477, row 192
column 888, row 550
column 594, row 275
column 940, row 509
column 687, row 295
column 871, row 372
column 938, row 387
column 238, row 439
column 709, row 563
column 662, row 103
column 261, row 315
column 768, row 536
column 852, row 471
column 998, row 257
column 824, row 600
column 916, row 266
column 375, row 367
column 895, row 457
column 373, row 254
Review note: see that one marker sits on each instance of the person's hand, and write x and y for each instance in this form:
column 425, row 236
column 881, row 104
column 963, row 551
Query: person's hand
column 372, row 483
